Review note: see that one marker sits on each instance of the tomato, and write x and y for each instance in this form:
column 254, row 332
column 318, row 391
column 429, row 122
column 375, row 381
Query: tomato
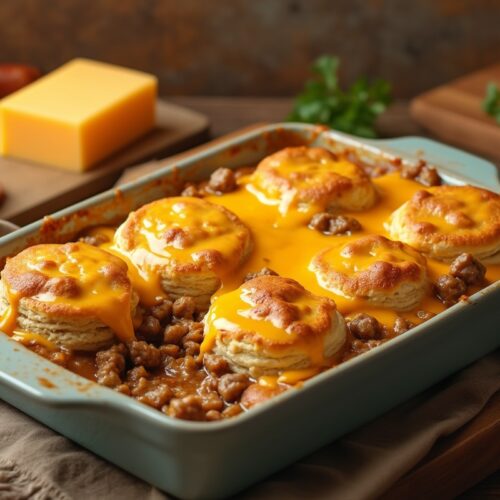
column 15, row 76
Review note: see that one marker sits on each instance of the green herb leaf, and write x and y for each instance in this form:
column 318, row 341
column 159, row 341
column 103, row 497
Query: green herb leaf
column 353, row 110
column 491, row 102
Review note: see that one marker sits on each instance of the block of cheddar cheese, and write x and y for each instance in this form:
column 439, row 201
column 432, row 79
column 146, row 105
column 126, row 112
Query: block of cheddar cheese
column 77, row 115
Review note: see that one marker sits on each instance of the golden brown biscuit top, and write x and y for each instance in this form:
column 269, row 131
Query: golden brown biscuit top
column 271, row 311
column 71, row 280
column 457, row 215
column 305, row 175
column 187, row 234
column 370, row 263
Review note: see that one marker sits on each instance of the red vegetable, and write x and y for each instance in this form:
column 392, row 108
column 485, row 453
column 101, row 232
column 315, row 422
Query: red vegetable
column 15, row 76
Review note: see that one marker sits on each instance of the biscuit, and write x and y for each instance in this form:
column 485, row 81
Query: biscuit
column 183, row 245
column 313, row 180
column 386, row 273
column 446, row 221
column 75, row 295
column 271, row 325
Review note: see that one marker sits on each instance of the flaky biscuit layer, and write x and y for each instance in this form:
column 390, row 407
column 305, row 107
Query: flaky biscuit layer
column 386, row 273
column 303, row 176
column 445, row 221
column 73, row 295
column 272, row 324
column 188, row 243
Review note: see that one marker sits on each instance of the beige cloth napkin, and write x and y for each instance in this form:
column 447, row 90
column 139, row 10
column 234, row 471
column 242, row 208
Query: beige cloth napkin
column 38, row 464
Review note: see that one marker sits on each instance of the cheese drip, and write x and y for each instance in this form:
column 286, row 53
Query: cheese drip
column 233, row 311
column 456, row 212
column 146, row 284
column 301, row 185
column 237, row 314
column 288, row 248
column 98, row 287
column 176, row 237
column 359, row 255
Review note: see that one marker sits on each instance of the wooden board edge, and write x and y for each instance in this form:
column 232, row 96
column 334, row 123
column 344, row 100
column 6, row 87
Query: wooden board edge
column 455, row 128
column 457, row 462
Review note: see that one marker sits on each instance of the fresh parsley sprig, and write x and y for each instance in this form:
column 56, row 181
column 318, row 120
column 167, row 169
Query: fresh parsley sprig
column 353, row 110
column 491, row 102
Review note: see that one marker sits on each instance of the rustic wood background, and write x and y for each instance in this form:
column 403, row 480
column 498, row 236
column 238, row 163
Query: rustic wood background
column 258, row 47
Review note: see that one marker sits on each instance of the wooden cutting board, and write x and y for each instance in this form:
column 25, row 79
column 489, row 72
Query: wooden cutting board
column 35, row 190
column 453, row 113
column 456, row 462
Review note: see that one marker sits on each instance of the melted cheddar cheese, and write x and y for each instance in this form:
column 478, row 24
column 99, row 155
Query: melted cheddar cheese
column 200, row 227
column 289, row 249
column 359, row 257
column 297, row 175
column 452, row 215
column 147, row 285
column 95, row 294
column 233, row 311
column 33, row 338
column 179, row 236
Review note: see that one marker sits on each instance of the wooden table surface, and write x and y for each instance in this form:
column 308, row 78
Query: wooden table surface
column 227, row 114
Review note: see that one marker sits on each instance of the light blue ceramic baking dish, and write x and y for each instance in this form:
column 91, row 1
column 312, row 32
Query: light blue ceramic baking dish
column 209, row 460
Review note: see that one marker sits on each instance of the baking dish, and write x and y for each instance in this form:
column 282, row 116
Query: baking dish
column 207, row 460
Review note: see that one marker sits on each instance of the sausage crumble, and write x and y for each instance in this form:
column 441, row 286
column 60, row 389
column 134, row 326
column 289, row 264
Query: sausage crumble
column 222, row 181
column 468, row 269
column 365, row 327
column 449, row 289
column 422, row 173
column 331, row 224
